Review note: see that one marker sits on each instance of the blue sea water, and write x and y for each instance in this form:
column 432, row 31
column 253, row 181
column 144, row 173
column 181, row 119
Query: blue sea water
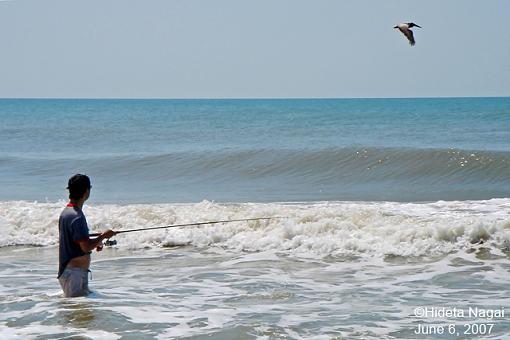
column 390, row 206
column 257, row 150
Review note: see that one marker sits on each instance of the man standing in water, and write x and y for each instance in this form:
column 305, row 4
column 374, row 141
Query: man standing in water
column 75, row 246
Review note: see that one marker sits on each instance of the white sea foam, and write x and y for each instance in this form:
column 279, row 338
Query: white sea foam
column 35, row 330
column 210, row 292
column 309, row 229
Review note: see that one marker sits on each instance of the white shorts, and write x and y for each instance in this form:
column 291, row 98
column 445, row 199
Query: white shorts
column 75, row 282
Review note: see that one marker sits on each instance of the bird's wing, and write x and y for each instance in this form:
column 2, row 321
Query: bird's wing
column 409, row 34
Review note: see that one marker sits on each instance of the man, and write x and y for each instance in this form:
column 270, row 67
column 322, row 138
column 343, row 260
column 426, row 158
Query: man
column 75, row 246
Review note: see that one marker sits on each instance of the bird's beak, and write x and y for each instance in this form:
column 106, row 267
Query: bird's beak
column 417, row 26
column 395, row 27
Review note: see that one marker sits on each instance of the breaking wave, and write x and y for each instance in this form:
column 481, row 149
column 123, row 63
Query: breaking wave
column 372, row 229
column 361, row 174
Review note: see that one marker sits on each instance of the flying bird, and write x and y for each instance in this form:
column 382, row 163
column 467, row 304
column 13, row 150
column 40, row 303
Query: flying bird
column 405, row 29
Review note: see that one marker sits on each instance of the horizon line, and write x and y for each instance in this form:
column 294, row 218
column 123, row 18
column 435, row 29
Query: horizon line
column 241, row 98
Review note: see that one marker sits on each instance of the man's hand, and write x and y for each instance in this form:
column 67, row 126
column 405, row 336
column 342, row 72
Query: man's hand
column 96, row 243
column 105, row 235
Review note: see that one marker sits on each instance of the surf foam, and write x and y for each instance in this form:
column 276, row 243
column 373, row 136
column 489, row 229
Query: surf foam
column 310, row 229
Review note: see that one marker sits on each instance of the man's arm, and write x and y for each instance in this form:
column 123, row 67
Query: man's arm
column 90, row 244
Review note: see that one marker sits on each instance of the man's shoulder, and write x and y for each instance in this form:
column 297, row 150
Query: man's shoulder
column 71, row 214
column 73, row 221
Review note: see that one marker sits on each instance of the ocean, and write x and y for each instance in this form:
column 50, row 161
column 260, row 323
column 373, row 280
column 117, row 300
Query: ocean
column 396, row 218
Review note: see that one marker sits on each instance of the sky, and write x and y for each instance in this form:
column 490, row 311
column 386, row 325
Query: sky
column 253, row 49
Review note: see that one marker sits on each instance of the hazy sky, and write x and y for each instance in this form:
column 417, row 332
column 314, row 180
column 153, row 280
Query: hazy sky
column 257, row 48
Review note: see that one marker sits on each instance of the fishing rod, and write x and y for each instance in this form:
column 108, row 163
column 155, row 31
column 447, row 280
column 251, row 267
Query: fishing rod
column 184, row 225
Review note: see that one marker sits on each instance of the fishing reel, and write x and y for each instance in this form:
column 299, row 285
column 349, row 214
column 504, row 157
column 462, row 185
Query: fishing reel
column 109, row 243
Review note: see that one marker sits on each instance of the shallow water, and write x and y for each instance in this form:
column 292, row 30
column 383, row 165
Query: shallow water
column 329, row 270
column 194, row 293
